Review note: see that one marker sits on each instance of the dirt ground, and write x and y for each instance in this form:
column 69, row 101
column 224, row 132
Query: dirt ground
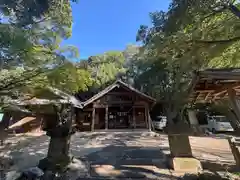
column 138, row 154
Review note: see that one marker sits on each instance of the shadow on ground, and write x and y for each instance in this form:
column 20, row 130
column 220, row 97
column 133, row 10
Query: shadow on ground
column 136, row 155
column 120, row 160
column 26, row 152
column 216, row 166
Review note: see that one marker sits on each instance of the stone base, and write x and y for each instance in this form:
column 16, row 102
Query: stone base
column 185, row 164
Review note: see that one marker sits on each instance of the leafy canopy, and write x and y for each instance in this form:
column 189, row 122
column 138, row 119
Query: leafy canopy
column 190, row 36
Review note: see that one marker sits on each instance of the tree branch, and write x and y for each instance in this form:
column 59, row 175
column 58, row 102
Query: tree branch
column 21, row 81
column 221, row 41
column 32, row 24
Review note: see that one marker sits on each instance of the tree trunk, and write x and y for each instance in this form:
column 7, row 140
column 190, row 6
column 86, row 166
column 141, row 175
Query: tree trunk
column 234, row 121
column 170, row 116
column 178, row 136
column 179, row 145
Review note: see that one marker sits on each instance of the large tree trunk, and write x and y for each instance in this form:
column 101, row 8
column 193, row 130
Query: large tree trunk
column 233, row 121
column 170, row 116
column 180, row 148
column 178, row 136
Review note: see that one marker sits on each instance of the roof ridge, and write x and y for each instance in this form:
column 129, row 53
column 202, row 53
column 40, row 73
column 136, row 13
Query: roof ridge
column 111, row 87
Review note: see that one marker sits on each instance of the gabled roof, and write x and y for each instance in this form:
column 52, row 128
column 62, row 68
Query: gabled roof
column 117, row 83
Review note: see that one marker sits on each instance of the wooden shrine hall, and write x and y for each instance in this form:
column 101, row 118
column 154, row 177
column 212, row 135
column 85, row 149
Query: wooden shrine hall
column 119, row 106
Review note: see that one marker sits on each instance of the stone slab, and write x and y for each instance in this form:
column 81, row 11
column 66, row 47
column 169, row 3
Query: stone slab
column 184, row 164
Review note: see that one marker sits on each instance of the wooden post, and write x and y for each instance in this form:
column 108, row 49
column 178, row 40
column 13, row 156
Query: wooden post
column 93, row 118
column 146, row 117
column 235, row 151
column 134, row 118
column 106, row 117
column 233, row 101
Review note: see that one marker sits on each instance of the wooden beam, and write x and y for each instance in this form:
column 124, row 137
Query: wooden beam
column 237, row 90
column 197, row 97
column 204, row 90
column 112, row 103
column 216, row 87
column 220, row 75
column 121, row 93
column 99, row 106
column 207, row 96
column 106, row 117
column 87, row 109
column 93, row 119
column 225, row 88
column 120, row 102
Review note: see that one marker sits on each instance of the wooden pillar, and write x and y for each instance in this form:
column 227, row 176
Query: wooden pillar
column 93, row 118
column 233, row 102
column 146, row 117
column 106, row 117
column 134, row 117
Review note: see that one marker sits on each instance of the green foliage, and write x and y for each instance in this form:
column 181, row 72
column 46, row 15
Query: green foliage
column 70, row 78
column 190, row 36
column 106, row 67
column 31, row 33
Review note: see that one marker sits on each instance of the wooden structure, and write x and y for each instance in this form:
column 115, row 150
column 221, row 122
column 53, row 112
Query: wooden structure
column 21, row 120
column 214, row 84
column 119, row 106
column 217, row 84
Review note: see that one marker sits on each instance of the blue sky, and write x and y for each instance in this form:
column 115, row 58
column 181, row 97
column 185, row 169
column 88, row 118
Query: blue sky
column 103, row 25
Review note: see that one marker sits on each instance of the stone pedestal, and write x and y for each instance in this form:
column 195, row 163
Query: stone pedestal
column 186, row 164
